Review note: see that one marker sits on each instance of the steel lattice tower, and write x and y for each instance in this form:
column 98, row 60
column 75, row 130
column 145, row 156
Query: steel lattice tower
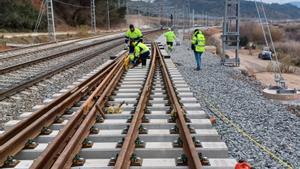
column 231, row 32
column 93, row 16
column 50, row 18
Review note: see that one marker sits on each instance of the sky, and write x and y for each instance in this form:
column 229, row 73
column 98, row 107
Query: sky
column 279, row 1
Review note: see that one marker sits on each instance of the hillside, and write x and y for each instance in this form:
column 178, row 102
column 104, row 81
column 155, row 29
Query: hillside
column 21, row 15
column 216, row 8
column 297, row 4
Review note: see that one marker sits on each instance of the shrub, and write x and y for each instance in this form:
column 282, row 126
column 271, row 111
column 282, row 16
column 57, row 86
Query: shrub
column 254, row 33
column 244, row 41
column 19, row 16
column 289, row 49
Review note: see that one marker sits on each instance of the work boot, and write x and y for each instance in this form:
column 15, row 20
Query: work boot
column 197, row 69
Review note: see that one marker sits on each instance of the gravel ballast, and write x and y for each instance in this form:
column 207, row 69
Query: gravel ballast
column 24, row 101
column 241, row 100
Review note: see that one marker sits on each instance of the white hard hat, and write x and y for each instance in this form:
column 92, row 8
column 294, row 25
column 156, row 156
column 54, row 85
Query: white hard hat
column 169, row 29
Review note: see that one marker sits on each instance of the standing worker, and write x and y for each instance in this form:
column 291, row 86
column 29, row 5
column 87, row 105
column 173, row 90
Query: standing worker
column 141, row 52
column 132, row 35
column 170, row 38
column 198, row 46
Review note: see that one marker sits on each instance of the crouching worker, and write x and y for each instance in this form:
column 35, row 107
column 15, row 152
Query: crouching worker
column 141, row 53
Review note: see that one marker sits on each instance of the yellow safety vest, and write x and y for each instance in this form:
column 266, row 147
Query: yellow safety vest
column 199, row 41
column 170, row 36
column 135, row 35
column 140, row 48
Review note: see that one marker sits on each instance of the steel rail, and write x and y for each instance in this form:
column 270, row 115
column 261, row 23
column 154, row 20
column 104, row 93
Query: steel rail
column 14, row 139
column 188, row 144
column 32, row 52
column 23, row 85
column 14, row 89
column 123, row 160
column 72, row 40
column 74, row 145
column 32, row 62
column 49, row 155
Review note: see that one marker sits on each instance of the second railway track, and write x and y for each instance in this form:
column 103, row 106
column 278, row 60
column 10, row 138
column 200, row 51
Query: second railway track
column 160, row 125
column 16, row 78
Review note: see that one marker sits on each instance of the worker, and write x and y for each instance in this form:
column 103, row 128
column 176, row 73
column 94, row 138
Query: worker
column 170, row 38
column 141, row 52
column 132, row 35
column 242, row 164
column 198, row 46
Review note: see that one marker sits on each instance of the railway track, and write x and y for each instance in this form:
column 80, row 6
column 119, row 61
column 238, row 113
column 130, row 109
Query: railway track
column 160, row 124
column 39, row 48
column 19, row 76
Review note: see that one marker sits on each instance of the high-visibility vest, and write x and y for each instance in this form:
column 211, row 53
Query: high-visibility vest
column 198, row 40
column 135, row 35
column 140, row 48
column 170, row 36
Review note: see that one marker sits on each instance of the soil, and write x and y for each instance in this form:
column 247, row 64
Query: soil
column 257, row 68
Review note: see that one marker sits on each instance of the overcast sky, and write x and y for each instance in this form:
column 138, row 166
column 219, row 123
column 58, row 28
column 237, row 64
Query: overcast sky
column 279, row 1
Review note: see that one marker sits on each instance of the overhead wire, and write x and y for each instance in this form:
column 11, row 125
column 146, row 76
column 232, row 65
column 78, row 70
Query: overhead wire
column 277, row 70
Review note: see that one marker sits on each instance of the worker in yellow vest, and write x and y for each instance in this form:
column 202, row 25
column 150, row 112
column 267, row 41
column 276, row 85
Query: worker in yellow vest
column 198, row 46
column 141, row 53
column 132, row 35
column 170, row 38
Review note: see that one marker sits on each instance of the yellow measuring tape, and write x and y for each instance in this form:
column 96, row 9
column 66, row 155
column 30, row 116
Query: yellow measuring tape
column 228, row 121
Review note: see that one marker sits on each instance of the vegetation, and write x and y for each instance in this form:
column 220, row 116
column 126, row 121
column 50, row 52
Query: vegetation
column 248, row 9
column 289, row 52
column 17, row 16
column 76, row 16
column 286, row 38
column 21, row 15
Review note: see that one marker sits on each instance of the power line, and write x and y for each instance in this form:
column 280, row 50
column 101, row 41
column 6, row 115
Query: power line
column 73, row 5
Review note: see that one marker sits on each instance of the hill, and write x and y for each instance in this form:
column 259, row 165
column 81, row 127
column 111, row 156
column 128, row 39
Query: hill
column 216, row 8
column 21, row 15
column 297, row 4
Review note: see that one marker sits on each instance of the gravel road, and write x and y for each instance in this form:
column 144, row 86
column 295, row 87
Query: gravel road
column 241, row 100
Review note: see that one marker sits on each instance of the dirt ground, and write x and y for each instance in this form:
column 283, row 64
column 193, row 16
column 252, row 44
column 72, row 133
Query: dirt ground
column 258, row 68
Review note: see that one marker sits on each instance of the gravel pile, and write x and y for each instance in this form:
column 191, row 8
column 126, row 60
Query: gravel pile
column 24, row 101
column 241, row 100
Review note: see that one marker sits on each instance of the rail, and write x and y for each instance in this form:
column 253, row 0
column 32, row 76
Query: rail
column 13, row 140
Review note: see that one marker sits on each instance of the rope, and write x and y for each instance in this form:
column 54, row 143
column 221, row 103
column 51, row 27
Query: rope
column 222, row 116
column 73, row 5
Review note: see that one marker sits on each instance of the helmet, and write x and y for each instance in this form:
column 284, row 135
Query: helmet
column 242, row 165
column 169, row 29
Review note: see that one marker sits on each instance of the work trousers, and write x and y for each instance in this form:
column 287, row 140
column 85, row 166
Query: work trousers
column 198, row 58
column 144, row 57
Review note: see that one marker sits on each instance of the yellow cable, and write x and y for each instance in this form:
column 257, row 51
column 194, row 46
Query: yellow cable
column 263, row 148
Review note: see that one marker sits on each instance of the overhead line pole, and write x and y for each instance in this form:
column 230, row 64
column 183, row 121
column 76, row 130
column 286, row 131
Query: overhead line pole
column 108, row 16
column 51, row 23
column 93, row 16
